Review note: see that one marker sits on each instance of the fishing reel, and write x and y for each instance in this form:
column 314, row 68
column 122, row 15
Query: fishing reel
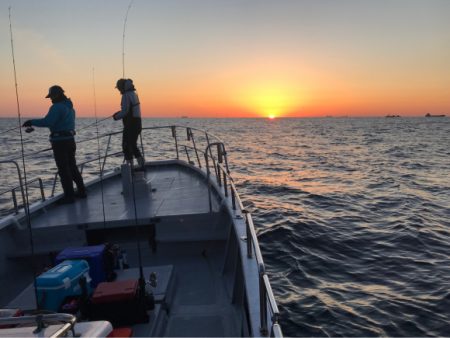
column 29, row 130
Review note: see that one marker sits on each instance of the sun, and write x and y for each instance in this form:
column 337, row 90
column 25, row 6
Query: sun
column 270, row 100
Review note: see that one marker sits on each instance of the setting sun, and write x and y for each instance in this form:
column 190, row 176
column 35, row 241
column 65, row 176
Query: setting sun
column 269, row 100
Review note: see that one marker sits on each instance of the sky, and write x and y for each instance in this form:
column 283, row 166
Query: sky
column 229, row 58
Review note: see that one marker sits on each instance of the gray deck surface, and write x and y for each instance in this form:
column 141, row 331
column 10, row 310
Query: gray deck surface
column 166, row 190
column 192, row 285
column 198, row 303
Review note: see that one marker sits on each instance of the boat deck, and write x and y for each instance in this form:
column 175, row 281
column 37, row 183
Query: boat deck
column 193, row 295
column 166, row 190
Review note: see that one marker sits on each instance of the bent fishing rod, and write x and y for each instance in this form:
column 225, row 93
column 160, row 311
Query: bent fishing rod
column 141, row 271
column 95, row 123
column 98, row 149
column 123, row 38
column 26, row 201
column 31, row 129
column 8, row 130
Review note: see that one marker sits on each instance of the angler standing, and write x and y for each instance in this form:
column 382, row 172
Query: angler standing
column 60, row 119
column 130, row 114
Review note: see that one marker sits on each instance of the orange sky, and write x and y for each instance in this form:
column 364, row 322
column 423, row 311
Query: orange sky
column 207, row 58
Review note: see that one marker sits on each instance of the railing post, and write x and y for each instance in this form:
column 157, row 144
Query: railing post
column 41, row 186
column 262, row 299
column 219, row 153
column 208, row 174
column 174, row 135
column 191, row 137
column 249, row 235
column 210, row 152
column 54, row 185
column 106, row 154
column 187, row 155
column 225, row 184
column 219, row 161
column 225, row 157
column 21, row 186
column 233, row 197
column 14, row 197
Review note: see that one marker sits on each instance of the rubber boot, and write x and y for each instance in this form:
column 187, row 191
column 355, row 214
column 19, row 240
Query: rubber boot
column 141, row 162
column 131, row 164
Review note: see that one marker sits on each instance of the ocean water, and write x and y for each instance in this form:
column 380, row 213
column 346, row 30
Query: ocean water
column 352, row 215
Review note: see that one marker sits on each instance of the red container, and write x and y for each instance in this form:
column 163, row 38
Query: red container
column 119, row 303
column 121, row 332
column 113, row 292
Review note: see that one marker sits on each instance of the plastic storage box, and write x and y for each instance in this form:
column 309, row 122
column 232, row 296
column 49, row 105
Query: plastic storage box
column 119, row 303
column 61, row 281
column 94, row 255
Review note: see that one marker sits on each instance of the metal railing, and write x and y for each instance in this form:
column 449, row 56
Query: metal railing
column 267, row 299
column 215, row 163
column 42, row 320
column 21, row 187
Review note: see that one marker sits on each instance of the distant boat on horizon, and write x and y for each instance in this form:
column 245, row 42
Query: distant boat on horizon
column 431, row 115
column 392, row 116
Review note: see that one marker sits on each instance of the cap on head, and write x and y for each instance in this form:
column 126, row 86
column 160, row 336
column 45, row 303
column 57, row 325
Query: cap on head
column 120, row 84
column 55, row 91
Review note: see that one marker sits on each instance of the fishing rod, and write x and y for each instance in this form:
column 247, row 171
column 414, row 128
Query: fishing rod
column 95, row 123
column 30, row 154
column 138, row 244
column 27, row 204
column 98, row 148
column 31, row 129
column 8, row 130
column 123, row 58
column 28, row 130
column 123, row 38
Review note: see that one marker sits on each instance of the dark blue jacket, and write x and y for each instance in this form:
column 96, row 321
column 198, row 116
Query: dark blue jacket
column 60, row 119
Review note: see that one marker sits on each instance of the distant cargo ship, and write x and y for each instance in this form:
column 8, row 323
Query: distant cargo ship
column 430, row 115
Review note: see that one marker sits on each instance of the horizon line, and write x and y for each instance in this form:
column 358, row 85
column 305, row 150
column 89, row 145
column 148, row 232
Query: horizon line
column 245, row 117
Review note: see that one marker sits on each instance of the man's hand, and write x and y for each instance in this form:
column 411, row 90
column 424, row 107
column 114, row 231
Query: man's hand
column 27, row 123
column 115, row 116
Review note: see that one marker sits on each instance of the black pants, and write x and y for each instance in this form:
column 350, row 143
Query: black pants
column 131, row 131
column 64, row 153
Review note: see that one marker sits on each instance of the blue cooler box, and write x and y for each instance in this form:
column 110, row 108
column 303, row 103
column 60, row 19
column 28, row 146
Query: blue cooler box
column 94, row 255
column 61, row 281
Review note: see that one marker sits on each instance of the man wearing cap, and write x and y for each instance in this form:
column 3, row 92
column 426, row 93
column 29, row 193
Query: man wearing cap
column 60, row 119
